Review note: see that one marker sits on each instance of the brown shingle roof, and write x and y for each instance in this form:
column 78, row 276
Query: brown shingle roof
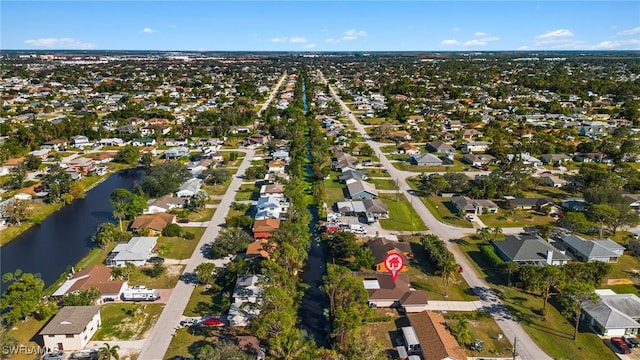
column 96, row 276
column 266, row 225
column 380, row 247
column 155, row 222
column 435, row 340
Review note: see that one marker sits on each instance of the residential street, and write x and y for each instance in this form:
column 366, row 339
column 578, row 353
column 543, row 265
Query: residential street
column 526, row 347
column 160, row 337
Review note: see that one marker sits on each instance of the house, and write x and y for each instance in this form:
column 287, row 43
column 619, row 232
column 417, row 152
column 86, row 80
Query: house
column 604, row 250
column 633, row 200
column 381, row 247
column 350, row 208
column 81, row 165
column 275, row 190
column 259, row 249
column 164, row 204
column 80, row 141
column 143, row 142
column 154, row 222
column 40, row 154
column 470, row 134
column 554, row 159
column 55, row 145
column 111, row 142
column 344, row 162
column 248, row 290
column 189, row 188
column 466, row 205
column 176, row 152
column 401, row 135
column 475, row 146
column 375, row 208
column 574, row 204
column 425, row 160
column 528, row 249
column 257, row 139
column 409, row 149
column 93, row 277
column 384, row 292
column 271, row 207
column 72, row 328
column 103, row 157
column 477, row 160
column 614, row 314
column 264, row 228
column 525, row 158
column 136, row 251
column 281, row 155
column 553, row 180
column 436, row 341
column 350, row 175
column 440, row 146
column 529, row 203
column 359, row 189
column 277, row 166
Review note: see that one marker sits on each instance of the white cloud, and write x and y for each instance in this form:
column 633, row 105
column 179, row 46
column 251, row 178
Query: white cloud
column 560, row 33
column 479, row 33
column 309, row 46
column 298, row 40
column 635, row 30
column 293, row 40
column 632, row 44
column 456, row 29
column 148, row 31
column 474, row 42
column 332, row 40
column 353, row 34
column 450, row 42
column 59, row 43
column 279, row 39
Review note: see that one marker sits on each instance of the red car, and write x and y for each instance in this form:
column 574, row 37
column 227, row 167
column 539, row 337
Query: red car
column 621, row 345
column 212, row 322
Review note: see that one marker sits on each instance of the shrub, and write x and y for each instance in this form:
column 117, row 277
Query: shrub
column 189, row 235
column 491, row 256
column 172, row 230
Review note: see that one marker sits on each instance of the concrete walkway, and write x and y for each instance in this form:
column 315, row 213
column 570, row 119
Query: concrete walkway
column 454, row 305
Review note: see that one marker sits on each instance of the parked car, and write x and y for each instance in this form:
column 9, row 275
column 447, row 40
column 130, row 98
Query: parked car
column 183, row 221
column 213, row 322
column 621, row 345
column 156, row 259
column 189, row 322
column 631, row 341
column 54, row 356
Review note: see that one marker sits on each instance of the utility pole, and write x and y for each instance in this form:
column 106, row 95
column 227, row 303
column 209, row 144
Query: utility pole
column 397, row 191
column 515, row 344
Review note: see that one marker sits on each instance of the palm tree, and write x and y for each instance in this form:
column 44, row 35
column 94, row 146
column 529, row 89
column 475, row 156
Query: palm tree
column 463, row 332
column 484, row 234
column 108, row 352
column 119, row 212
column 496, row 231
column 448, row 271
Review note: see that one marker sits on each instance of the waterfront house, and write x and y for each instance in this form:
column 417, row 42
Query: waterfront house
column 72, row 328
column 381, row 247
column 136, row 251
column 359, row 190
column 248, row 291
column 154, row 222
column 98, row 277
column 384, row 292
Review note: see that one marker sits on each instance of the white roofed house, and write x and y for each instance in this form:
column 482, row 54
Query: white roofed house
column 189, row 188
column 246, row 299
column 136, row 251
column 272, row 207
column 164, row 204
column 176, row 152
column 80, row 141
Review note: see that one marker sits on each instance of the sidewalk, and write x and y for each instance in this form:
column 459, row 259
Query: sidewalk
column 454, row 305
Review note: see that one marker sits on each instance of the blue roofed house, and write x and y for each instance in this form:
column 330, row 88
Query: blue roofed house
column 528, row 249
column 605, row 250
column 359, row 190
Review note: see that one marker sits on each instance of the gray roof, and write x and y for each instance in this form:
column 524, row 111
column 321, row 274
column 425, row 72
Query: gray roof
column 137, row 249
column 593, row 248
column 617, row 311
column 352, row 174
column 191, row 185
column 425, row 159
column 375, row 205
column 70, row 320
column 349, row 206
column 359, row 186
column 527, row 248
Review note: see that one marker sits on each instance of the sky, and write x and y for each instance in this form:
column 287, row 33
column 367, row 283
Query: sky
column 319, row 25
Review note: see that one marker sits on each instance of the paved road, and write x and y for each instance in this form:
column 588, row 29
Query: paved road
column 272, row 95
column 158, row 342
column 527, row 348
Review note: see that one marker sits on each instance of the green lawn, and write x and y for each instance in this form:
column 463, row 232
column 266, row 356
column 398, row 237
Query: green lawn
column 377, row 121
column 25, row 333
column 485, row 329
column 443, row 210
column 623, row 269
column 377, row 172
column 625, row 289
column 200, row 215
column 405, row 166
column 203, row 303
column 334, row 194
column 186, row 342
column 383, row 184
column 517, row 218
column 388, row 149
column 402, row 216
column 247, row 192
column 177, row 247
column 553, row 333
column 126, row 321
column 168, row 280
column 215, row 189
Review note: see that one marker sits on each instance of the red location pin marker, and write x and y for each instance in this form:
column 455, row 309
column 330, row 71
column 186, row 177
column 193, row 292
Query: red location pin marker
column 393, row 262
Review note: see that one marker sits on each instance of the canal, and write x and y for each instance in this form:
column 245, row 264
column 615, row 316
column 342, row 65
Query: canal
column 314, row 302
column 64, row 237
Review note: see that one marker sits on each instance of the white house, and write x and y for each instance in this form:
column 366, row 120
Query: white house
column 614, row 314
column 248, row 291
column 71, row 328
column 80, row 141
column 189, row 188
column 176, row 152
column 136, row 251
column 271, row 207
